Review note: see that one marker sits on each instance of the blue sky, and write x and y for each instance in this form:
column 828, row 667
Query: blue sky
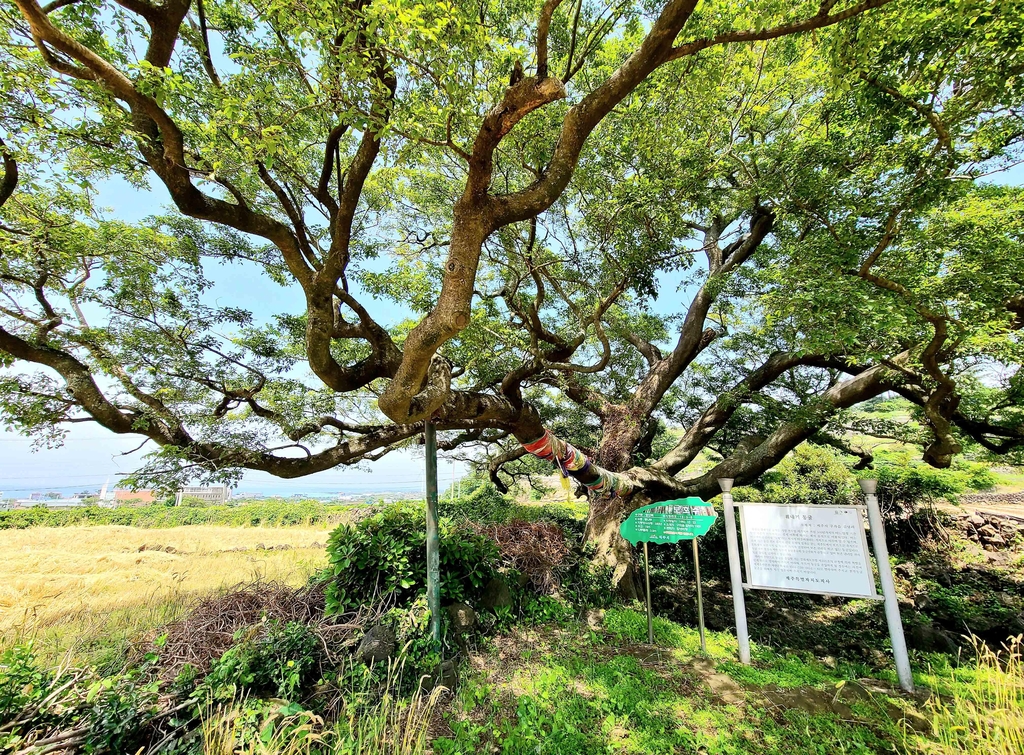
column 92, row 455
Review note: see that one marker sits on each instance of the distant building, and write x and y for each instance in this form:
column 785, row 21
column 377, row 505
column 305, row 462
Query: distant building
column 51, row 503
column 129, row 497
column 213, row 494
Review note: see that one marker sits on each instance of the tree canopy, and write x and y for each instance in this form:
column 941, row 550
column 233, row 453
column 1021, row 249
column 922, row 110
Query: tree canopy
column 732, row 220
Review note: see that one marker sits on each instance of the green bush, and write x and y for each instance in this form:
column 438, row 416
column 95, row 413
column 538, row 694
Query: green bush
column 811, row 474
column 384, row 558
column 257, row 514
column 571, row 517
column 271, row 659
column 95, row 713
column 483, row 505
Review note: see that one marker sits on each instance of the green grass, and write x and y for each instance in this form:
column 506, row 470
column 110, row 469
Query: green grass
column 1010, row 482
column 590, row 693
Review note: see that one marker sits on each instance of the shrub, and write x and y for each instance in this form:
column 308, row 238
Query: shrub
column 483, row 505
column 811, row 474
column 571, row 517
column 902, row 488
column 270, row 659
column 263, row 513
column 384, row 557
column 75, row 707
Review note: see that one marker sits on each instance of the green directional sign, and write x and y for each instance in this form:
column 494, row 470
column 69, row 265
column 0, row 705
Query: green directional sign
column 669, row 522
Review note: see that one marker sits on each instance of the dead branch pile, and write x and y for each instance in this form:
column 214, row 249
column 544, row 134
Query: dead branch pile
column 534, row 548
column 209, row 627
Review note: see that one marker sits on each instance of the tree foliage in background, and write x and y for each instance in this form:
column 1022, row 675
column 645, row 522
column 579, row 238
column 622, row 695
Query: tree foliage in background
column 614, row 221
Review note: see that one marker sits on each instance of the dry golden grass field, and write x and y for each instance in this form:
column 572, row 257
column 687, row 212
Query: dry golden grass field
column 89, row 590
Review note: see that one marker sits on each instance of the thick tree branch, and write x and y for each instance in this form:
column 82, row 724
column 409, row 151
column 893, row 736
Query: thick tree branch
column 10, row 180
column 495, row 464
column 818, row 21
column 543, row 25
column 715, row 416
column 745, row 467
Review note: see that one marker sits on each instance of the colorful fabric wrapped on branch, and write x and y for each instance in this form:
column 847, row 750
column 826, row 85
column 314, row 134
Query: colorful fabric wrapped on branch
column 571, row 461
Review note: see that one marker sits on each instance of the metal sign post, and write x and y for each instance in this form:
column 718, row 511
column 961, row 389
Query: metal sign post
column 700, row 598
column 433, row 539
column 735, row 577
column 670, row 522
column 814, row 549
column 650, row 614
column 892, row 606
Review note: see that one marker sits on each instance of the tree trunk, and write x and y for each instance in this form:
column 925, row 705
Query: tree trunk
column 610, row 549
column 621, row 433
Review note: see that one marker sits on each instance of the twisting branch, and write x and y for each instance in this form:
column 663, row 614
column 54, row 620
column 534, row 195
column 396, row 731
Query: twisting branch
column 824, row 17
column 332, row 156
column 495, row 464
column 572, row 39
column 865, row 457
column 211, row 71
column 543, row 25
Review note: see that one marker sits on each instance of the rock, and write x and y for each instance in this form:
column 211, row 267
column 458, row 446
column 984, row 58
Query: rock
column 594, row 618
column 878, row 659
column 446, row 675
column 829, row 662
column 160, row 548
column 906, row 570
column 1006, row 600
column 260, row 547
column 496, row 595
column 987, row 531
column 997, row 541
column 928, row 638
column 983, row 623
column 976, row 520
column 462, row 616
column 378, row 644
column 922, row 600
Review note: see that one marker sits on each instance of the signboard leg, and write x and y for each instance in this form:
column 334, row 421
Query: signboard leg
column 736, row 578
column 433, row 540
column 650, row 616
column 892, row 606
column 700, row 597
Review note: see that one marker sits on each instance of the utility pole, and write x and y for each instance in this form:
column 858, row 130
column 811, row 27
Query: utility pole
column 433, row 539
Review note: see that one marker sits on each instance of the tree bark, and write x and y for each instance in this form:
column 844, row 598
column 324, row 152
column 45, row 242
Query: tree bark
column 610, row 549
column 621, row 433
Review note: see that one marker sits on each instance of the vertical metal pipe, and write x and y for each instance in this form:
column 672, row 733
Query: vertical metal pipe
column 736, row 578
column 892, row 606
column 433, row 539
column 650, row 616
column 700, row 597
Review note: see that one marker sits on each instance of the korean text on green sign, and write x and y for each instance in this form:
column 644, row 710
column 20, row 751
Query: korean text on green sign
column 669, row 522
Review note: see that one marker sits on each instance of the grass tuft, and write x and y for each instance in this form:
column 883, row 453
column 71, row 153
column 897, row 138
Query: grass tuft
column 985, row 713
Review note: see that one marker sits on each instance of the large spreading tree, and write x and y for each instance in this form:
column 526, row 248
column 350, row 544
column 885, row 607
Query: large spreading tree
column 620, row 234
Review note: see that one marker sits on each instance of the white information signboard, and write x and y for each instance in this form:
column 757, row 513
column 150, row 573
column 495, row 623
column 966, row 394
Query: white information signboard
column 816, row 549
